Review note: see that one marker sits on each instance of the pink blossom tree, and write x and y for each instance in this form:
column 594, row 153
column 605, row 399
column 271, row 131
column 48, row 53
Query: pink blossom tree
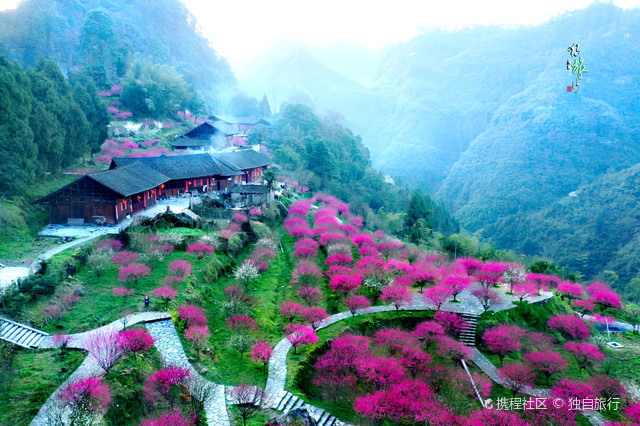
column 289, row 310
column 453, row 350
column 568, row 389
column 586, row 354
column 421, row 274
column 242, row 324
column 165, row 384
column 605, row 299
column 522, row 291
column 380, row 372
column 398, row 295
column 569, row 289
column 299, row 335
column 607, row 387
column 487, row 298
column 428, row 332
column 354, row 303
column 516, row 377
column 104, row 347
column 437, row 296
column 456, row 284
column 200, row 250
column 393, row 339
column 124, row 258
column 182, row 268
column 61, row 341
column 166, row 293
column 548, row 363
column 490, row 274
column 135, row 340
column 172, row 418
column 122, row 292
column 541, row 282
column 470, row 266
column 133, row 272
column 571, row 327
column 85, row 398
column 261, row 353
column 344, row 284
column 453, row 324
column 503, row 340
column 314, row 315
column 198, row 336
column 192, row 315
column 633, row 412
column 414, row 360
column 310, row 294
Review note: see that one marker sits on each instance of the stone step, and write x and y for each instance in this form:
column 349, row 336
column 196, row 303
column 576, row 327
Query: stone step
column 298, row 404
column 322, row 421
column 278, row 399
column 13, row 330
column 284, row 401
column 31, row 338
column 290, row 405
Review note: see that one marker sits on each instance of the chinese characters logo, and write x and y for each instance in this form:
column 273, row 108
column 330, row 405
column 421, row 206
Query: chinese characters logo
column 576, row 68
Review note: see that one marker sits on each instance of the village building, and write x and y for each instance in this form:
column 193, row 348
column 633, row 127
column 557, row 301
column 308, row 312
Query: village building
column 206, row 136
column 244, row 125
column 134, row 184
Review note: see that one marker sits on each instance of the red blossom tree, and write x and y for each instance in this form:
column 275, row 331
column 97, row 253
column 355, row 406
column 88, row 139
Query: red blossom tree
column 421, row 274
column 437, row 296
column 490, row 274
column 338, row 259
column 198, row 335
column 133, row 273
column 381, row 372
column 345, row 283
column 503, row 339
column 200, row 250
column 314, row 316
column 569, row 289
column 586, row 354
column 122, row 292
column 135, row 340
column 262, row 352
column 567, row 390
column 522, row 291
column 414, row 360
column 517, row 377
column 487, row 298
column 166, row 293
column 548, row 363
column 428, row 332
column 571, row 327
column 192, row 315
column 541, row 282
column 393, row 339
column 606, row 387
column 310, row 295
column 289, row 310
column 165, row 383
column 605, row 299
column 453, row 324
column 181, row 267
column 453, row 350
column 398, row 295
column 242, row 324
column 61, row 341
column 299, row 335
column 124, row 258
column 172, row 418
column 456, row 284
column 470, row 266
column 85, row 398
column 354, row 303
column 633, row 412
column 104, row 347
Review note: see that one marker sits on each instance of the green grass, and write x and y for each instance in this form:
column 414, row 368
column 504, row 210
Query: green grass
column 38, row 374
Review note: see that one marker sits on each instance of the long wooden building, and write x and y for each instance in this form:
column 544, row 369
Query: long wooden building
column 133, row 184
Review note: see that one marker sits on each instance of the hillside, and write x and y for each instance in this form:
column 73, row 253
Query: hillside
column 105, row 36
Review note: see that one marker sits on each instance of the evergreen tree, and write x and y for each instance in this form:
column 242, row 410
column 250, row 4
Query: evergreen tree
column 265, row 109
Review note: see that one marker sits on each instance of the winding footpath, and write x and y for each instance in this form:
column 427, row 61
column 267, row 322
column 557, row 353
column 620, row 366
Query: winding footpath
column 216, row 397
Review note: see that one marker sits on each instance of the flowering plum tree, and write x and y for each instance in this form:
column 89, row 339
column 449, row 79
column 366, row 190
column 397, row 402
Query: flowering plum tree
column 354, row 303
column 421, row 274
column 586, row 354
column 490, row 274
column 569, row 289
column 604, row 299
column 437, row 296
column 133, row 272
column 200, row 250
column 198, row 335
column 249, row 400
column 310, row 294
column 262, row 352
column 414, row 360
column 85, row 398
column 166, row 293
column 522, row 291
column 456, row 284
column 135, row 340
column 607, row 387
column 567, row 389
column 503, row 339
column 516, row 377
column 314, row 316
column 61, row 341
column 393, row 339
column 104, row 347
column 471, row 266
column 546, row 362
column 487, row 298
column 192, row 315
column 428, row 332
column 180, row 267
column 299, row 335
column 381, row 372
column 453, row 350
column 122, row 292
column 165, row 383
column 452, row 323
column 245, row 273
column 542, row 282
column 571, row 327
column 172, row 418
column 343, row 283
column 398, row 295
column 290, row 309
column 242, row 324
column 124, row 258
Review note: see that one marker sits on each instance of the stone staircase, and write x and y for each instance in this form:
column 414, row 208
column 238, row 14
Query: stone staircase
column 21, row 334
column 190, row 215
column 287, row 401
column 468, row 333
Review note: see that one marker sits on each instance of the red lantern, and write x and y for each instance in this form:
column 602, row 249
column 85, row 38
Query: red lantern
column 162, row 186
column 138, row 198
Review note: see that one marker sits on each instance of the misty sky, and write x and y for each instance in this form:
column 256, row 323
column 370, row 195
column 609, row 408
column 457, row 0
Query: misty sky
column 241, row 29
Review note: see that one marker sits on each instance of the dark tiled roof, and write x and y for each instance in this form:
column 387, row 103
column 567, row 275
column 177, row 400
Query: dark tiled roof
column 230, row 119
column 225, row 128
column 130, row 179
column 184, row 141
column 244, row 159
column 203, row 131
column 249, row 189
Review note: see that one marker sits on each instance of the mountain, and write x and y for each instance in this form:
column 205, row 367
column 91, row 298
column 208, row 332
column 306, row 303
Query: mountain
column 103, row 36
